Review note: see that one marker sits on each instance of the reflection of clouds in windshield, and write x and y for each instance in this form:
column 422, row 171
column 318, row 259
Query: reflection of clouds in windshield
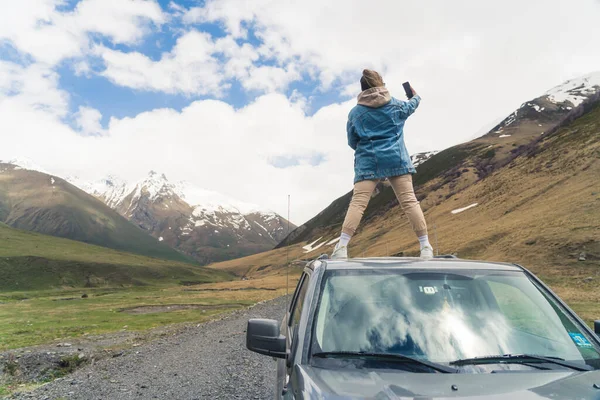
column 387, row 317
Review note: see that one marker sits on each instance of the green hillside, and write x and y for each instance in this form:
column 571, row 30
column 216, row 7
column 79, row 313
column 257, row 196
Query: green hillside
column 32, row 261
column 34, row 201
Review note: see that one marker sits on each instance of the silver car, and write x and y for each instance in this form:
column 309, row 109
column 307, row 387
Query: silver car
column 399, row 328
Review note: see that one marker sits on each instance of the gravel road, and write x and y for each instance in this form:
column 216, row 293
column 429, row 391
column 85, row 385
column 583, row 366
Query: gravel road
column 209, row 361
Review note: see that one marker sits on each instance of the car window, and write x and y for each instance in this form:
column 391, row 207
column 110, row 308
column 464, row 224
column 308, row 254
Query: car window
column 295, row 294
column 298, row 303
column 521, row 312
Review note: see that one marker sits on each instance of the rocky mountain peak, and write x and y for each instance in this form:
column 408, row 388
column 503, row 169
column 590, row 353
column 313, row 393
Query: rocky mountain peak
column 575, row 91
column 155, row 184
column 205, row 224
column 419, row 158
column 539, row 115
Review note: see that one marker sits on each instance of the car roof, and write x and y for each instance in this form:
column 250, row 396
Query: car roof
column 412, row 263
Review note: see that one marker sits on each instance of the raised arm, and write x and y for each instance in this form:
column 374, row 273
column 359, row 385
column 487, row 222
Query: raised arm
column 409, row 107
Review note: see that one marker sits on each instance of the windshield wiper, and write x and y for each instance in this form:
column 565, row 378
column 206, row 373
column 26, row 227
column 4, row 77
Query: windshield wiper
column 387, row 356
column 520, row 359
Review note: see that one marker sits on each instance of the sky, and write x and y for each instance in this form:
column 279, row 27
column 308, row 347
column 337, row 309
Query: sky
column 250, row 98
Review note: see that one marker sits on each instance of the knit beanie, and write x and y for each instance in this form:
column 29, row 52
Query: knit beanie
column 370, row 79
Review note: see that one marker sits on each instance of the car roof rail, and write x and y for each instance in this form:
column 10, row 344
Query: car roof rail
column 446, row 256
column 451, row 256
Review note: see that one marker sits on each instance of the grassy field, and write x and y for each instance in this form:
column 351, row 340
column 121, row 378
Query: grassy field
column 36, row 317
column 43, row 278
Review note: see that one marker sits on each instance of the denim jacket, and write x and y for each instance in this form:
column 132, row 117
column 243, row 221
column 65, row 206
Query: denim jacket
column 376, row 134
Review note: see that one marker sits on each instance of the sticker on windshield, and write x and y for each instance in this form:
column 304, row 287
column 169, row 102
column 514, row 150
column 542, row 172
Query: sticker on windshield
column 428, row 289
column 580, row 340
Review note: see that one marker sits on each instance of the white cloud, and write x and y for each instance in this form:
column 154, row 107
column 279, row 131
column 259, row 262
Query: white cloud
column 269, row 78
column 35, row 27
column 38, row 35
column 177, row 9
column 350, row 90
column 239, row 58
column 33, row 87
column 18, row 18
column 189, row 68
column 88, row 120
column 227, row 12
column 121, row 21
column 197, row 65
column 82, row 68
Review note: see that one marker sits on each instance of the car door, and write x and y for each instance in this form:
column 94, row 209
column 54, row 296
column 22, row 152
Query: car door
column 291, row 324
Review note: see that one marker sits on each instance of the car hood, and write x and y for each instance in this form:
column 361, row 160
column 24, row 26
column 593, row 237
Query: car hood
column 320, row 383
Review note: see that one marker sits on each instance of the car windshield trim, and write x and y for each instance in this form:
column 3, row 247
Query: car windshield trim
column 387, row 356
column 520, row 359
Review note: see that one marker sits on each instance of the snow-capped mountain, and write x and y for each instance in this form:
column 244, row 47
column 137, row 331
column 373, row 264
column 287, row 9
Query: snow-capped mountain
column 575, row 91
column 419, row 158
column 24, row 163
column 205, row 224
column 33, row 200
column 565, row 101
column 111, row 190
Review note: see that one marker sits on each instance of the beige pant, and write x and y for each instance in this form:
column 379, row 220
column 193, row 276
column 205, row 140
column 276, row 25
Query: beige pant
column 405, row 193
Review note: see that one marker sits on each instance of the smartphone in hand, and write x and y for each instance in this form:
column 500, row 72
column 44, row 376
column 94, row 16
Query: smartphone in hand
column 408, row 90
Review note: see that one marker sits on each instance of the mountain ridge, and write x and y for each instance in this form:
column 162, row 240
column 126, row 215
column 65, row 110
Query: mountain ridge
column 202, row 224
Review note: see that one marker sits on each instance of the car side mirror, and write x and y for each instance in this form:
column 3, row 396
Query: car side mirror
column 597, row 327
column 263, row 337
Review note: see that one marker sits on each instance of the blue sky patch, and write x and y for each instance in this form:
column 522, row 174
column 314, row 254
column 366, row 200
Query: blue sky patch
column 287, row 161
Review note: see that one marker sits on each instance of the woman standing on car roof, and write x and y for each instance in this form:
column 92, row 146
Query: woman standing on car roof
column 376, row 134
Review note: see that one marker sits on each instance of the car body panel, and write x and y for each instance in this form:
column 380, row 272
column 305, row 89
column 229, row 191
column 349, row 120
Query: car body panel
column 320, row 383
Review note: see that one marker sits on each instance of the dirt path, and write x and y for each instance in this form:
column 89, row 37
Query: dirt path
column 209, row 361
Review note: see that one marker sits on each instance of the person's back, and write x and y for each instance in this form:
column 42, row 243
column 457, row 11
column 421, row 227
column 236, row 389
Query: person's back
column 375, row 131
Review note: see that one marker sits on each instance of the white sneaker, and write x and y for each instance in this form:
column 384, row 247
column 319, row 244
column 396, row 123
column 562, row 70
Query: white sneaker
column 426, row 252
column 339, row 252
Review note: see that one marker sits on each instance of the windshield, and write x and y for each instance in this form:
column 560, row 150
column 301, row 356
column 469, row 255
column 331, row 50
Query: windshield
column 442, row 317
